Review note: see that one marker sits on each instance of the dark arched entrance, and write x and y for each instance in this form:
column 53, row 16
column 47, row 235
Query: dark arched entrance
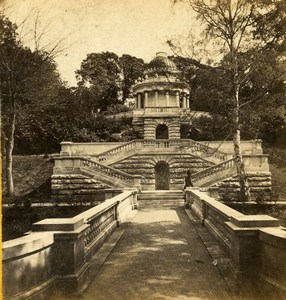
column 162, row 176
column 162, row 132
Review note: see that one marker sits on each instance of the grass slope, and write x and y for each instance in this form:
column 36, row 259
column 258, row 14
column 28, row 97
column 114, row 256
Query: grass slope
column 29, row 172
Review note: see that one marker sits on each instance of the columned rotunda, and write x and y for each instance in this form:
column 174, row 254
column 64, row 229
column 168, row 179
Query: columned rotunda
column 160, row 98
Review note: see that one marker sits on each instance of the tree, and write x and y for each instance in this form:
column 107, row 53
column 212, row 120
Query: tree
column 9, row 51
column 236, row 27
column 99, row 76
column 29, row 82
column 131, row 68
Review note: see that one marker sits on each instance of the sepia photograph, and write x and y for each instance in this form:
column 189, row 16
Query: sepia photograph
column 143, row 149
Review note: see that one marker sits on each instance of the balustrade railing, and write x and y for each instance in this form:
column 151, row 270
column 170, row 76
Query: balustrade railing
column 194, row 146
column 116, row 151
column 97, row 226
column 106, row 170
column 216, row 220
column 104, row 218
column 213, row 170
column 213, row 215
column 162, row 109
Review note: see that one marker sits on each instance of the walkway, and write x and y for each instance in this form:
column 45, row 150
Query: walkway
column 159, row 256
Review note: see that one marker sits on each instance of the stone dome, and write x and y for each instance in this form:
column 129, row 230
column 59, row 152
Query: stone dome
column 161, row 64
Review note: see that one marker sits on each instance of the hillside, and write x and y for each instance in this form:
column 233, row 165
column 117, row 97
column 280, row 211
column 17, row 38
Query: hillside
column 29, row 172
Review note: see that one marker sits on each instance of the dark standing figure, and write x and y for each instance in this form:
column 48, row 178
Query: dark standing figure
column 188, row 182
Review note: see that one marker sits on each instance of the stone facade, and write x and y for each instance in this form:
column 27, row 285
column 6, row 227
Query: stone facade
column 178, row 165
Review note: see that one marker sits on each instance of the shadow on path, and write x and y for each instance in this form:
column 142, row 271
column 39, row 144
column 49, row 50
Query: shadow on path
column 159, row 256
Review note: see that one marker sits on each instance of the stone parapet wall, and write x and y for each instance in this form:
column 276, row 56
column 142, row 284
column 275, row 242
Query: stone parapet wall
column 54, row 258
column 247, row 147
column 86, row 149
column 255, row 244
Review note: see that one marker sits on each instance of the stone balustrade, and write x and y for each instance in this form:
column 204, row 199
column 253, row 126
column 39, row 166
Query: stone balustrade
column 78, row 164
column 253, row 163
column 252, row 147
column 191, row 146
column 162, row 109
column 213, row 170
column 55, row 255
column 255, row 244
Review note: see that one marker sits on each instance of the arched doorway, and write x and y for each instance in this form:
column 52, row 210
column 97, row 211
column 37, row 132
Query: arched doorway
column 162, row 176
column 162, row 132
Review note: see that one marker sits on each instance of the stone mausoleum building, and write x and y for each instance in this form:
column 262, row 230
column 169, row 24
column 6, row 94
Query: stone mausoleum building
column 161, row 159
column 160, row 99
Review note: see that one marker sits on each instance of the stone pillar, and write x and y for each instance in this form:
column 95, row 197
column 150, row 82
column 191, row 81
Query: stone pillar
column 184, row 101
column 146, row 100
column 245, row 251
column 69, row 264
column 188, row 101
column 156, row 98
column 178, row 98
column 167, row 98
column 66, row 149
column 139, row 101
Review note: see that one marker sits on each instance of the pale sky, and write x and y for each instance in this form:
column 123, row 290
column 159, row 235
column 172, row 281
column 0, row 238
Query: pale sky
column 136, row 27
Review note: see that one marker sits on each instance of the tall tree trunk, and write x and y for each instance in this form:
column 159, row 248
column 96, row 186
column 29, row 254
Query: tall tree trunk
column 9, row 142
column 243, row 183
column 9, row 145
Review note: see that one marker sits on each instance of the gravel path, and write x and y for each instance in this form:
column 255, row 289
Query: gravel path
column 159, row 256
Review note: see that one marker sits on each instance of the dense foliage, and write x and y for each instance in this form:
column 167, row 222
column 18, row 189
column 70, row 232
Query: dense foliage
column 46, row 111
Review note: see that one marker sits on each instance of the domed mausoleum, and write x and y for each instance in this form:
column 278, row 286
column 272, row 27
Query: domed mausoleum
column 160, row 98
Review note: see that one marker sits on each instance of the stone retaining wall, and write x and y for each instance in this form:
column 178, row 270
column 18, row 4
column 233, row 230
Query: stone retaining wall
column 259, row 184
column 77, row 188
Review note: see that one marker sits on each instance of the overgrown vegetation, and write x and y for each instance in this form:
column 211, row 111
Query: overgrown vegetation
column 19, row 219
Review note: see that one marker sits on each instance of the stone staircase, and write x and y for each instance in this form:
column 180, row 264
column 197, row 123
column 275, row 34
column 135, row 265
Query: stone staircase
column 133, row 164
column 161, row 197
column 215, row 173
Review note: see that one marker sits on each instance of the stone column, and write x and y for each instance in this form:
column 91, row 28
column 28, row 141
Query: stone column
column 156, row 98
column 167, row 98
column 188, row 101
column 178, row 98
column 184, row 101
column 146, row 100
column 139, row 100
column 136, row 101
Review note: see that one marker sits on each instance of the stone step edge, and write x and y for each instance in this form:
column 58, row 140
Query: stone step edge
column 220, row 260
